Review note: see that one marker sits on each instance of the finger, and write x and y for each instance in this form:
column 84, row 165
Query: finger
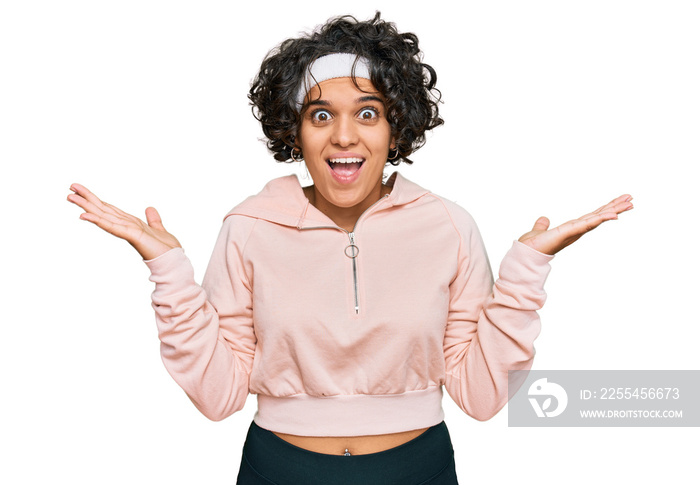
column 585, row 224
column 117, row 211
column 613, row 210
column 111, row 227
column 542, row 224
column 111, row 219
column 623, row 202
column 604, row 213
column 84, row 204
column 154, row 219
column 91, row 203
column 86, row 194
column 623, row 206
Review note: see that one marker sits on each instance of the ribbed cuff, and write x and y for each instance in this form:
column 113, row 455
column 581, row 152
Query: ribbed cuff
column 525, row 266
column 172, row 268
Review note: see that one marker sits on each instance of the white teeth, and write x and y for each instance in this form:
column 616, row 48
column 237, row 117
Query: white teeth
column 346, row 160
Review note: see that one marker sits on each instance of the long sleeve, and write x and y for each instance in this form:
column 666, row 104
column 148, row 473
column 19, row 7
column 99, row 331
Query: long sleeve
column 491, row 328
column 206, row 332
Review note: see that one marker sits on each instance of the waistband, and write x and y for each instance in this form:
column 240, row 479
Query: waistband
column 350, row 415
column 416, row 461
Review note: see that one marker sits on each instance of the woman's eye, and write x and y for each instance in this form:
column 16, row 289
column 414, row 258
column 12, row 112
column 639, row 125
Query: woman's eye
column 321, row 115
column 368, row 114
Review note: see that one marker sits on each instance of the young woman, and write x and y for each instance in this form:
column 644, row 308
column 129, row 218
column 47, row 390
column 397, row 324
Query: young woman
column 346, row 306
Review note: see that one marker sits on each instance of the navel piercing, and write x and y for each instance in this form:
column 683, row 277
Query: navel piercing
column 347, row 453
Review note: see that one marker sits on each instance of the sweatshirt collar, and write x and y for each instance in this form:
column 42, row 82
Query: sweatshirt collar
column 282, row 201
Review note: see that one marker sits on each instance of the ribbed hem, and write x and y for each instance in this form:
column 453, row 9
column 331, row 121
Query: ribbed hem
column 354, row 415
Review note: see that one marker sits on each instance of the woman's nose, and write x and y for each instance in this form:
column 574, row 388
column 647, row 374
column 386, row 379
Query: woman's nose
column 344, row 132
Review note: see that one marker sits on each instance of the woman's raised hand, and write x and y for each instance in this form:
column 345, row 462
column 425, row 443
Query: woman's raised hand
column 554, row 240
column 149, row 239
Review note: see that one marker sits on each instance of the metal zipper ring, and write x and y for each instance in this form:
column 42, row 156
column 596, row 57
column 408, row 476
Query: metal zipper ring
column 354, row 251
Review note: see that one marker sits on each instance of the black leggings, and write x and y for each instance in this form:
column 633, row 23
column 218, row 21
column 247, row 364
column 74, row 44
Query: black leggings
column 425, row 460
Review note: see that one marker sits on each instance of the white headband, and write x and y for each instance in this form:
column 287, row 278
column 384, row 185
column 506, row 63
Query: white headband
column 330, row 67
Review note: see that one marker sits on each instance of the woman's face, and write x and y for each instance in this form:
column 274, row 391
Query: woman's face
column 345, row 139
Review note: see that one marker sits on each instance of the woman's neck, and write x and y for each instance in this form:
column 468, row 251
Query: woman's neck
column 344, row 217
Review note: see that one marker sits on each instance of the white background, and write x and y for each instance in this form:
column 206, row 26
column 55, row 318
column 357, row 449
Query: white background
column 551, row 107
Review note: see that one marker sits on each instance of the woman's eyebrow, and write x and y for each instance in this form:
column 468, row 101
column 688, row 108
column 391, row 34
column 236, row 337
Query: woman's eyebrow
column 318, row 102
column 363, row 99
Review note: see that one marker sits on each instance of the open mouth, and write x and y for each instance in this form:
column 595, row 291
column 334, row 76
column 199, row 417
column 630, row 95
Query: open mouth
column 345, row 167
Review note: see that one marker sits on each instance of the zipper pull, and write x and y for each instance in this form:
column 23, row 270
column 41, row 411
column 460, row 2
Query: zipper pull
column 351, row 251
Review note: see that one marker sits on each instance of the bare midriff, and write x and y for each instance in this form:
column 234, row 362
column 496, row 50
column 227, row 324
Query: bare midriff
column 355, row 445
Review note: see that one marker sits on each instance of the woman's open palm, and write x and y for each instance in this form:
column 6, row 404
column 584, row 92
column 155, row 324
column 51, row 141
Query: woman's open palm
column 149, row 239
column 551, row 241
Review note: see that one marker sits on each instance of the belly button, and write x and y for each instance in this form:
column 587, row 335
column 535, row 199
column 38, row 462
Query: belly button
column 347, row 453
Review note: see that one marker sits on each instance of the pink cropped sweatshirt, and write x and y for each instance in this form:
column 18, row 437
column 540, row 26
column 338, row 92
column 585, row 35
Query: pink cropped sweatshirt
column 348, row 333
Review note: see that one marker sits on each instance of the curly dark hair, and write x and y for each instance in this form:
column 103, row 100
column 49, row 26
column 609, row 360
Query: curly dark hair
column 396, row 70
